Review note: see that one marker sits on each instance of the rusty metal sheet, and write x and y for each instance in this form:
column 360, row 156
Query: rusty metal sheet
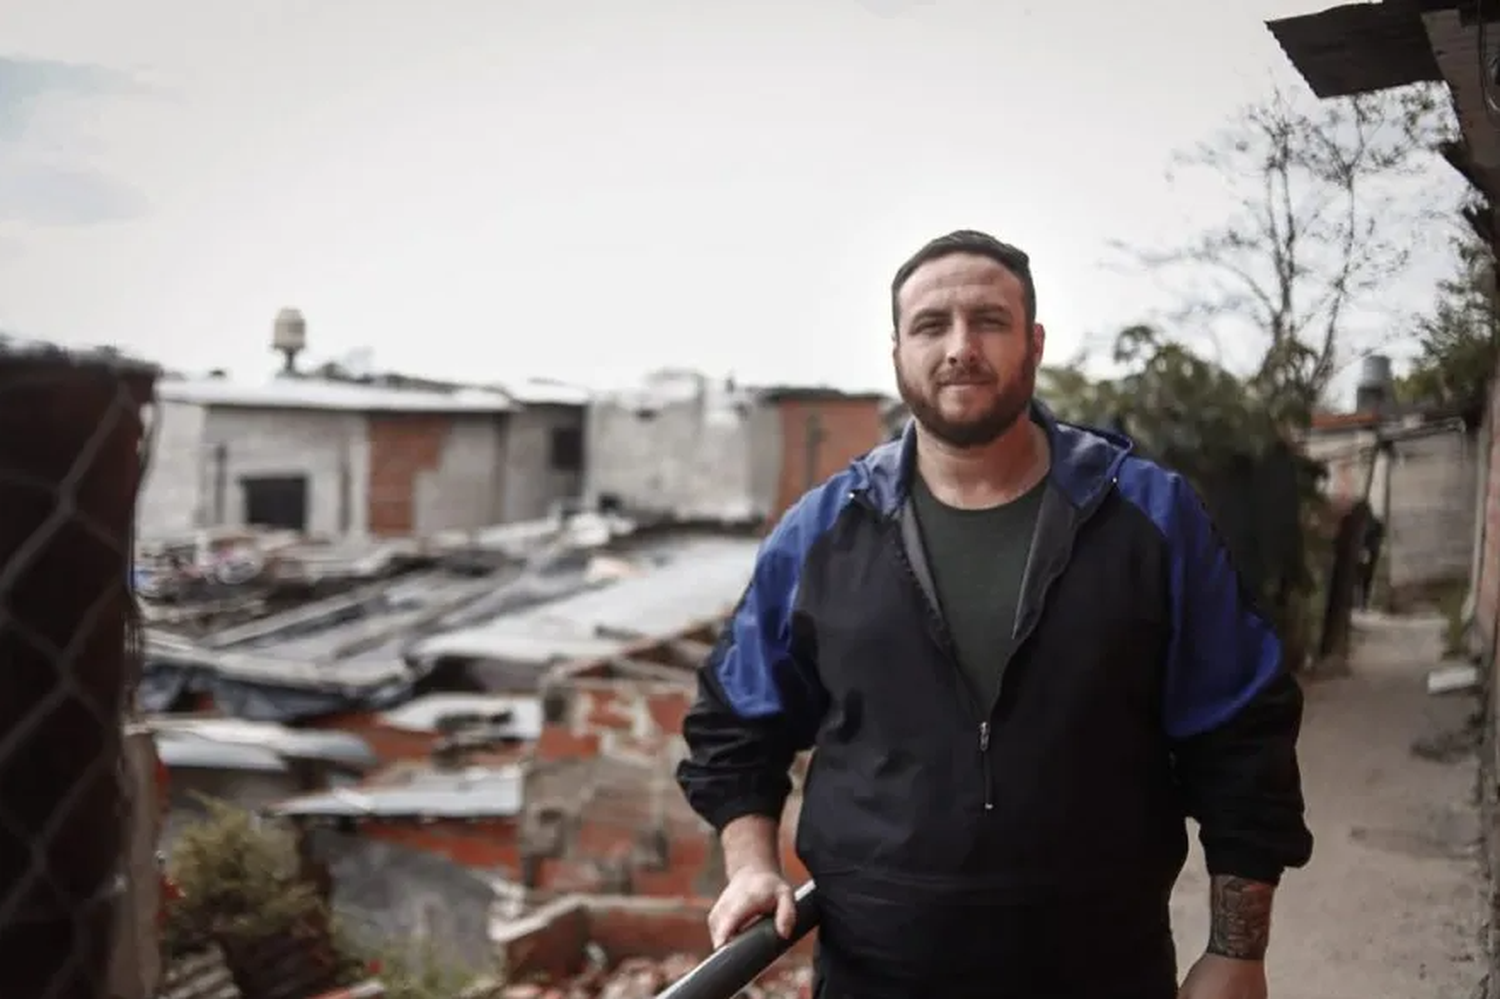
column 1359, row 48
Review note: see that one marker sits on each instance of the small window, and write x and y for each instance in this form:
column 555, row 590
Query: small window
column 567, row 449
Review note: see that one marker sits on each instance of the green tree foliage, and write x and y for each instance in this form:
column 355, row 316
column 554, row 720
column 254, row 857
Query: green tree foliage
column 1229, row 440
column 1173, row 402
column 1459, row 340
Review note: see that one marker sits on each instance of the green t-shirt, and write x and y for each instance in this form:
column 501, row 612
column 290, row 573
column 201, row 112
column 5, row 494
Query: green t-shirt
column 977, row 559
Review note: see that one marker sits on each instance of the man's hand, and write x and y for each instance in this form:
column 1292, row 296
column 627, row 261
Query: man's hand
column 1216, row 977
column 751, row 893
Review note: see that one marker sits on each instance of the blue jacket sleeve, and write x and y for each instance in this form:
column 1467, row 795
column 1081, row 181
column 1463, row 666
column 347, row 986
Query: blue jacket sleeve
column 1232, row 709
column 759, row 701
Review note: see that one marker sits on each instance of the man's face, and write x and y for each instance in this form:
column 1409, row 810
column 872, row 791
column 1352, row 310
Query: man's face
column 965, row 359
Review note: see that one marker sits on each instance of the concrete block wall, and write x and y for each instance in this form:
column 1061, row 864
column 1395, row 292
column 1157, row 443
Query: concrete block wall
column 461, row 491
column 331, row 448
column 1430, row 524
column 173, row 495
column 688, row 456
column 380, row 474
column 1486, row 570
column 1485, row 585
column 532, row 486
column 1430, row 483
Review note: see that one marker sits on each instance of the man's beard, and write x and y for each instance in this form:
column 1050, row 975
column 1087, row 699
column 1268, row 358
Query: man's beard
column 1010, row 403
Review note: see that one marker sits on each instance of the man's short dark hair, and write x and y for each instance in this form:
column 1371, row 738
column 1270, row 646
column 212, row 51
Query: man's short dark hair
column 980, row 244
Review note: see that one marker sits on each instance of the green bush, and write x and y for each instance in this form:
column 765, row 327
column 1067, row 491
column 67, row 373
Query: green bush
column 238, row 876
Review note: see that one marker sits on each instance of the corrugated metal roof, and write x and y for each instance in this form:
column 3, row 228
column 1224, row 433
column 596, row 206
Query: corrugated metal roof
column 207, row 737
column 313, row 393
column 1358, row 48
column 426, row 714
column 354, row 673
column 431, row 794
column 545, row 392
column 700, row 579
column 188, row 752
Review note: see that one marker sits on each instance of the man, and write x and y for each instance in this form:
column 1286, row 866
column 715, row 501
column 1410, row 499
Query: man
column 1022, row 658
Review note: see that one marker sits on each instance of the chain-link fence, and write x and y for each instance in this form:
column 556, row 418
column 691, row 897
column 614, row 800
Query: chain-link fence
column 72, row 454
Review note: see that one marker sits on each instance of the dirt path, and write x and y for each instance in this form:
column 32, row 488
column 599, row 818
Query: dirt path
column 1390, row 907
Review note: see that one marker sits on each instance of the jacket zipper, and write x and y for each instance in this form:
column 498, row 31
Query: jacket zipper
column 1024, row 636
column 984, row 763
column 951, row 650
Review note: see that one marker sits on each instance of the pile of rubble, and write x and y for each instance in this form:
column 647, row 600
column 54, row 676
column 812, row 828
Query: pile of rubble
column 643, row 978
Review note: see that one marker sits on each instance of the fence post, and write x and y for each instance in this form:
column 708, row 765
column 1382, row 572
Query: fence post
column 71, row 460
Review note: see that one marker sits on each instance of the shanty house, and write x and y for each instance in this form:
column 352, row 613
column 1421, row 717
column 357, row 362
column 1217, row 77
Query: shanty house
column 349, row 459
column 323, row 457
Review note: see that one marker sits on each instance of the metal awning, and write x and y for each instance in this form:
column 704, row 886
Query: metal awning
column 1359, row 48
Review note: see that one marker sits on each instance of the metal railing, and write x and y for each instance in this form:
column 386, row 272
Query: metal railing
column 742, row 960
column 72, row 436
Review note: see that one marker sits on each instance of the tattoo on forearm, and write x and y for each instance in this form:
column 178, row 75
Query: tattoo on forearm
column 1240, row 918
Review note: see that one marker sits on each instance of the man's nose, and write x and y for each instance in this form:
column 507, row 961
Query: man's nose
column 961, row 346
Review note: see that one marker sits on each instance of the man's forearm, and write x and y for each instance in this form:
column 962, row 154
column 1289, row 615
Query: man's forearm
column 1239, row 917
column 751, row 842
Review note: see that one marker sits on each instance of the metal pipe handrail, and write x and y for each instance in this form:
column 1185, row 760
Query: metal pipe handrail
column 742, row 960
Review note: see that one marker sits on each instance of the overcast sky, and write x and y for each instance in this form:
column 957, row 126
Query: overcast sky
column 588, row 189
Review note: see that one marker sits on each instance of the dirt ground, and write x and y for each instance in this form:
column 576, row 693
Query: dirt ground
column 1391, row 905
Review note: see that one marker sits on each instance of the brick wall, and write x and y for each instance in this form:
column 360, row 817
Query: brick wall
column 637, row 720
column 402, row 448
column 639, row 723
column 390, row 745
column 847, row 427
column 433, row 472
column 479, row 844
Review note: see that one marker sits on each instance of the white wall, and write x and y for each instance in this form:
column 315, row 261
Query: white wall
column 171, row 498
column 691, row 457
column 330, row 447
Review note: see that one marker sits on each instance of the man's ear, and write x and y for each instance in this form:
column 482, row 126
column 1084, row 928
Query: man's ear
column 1038, row 340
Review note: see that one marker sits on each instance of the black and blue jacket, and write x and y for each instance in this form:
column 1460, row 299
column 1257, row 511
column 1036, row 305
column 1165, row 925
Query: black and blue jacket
column 1030, row 844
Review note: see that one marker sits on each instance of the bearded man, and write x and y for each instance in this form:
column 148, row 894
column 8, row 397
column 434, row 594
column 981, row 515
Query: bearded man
column 1023, row 659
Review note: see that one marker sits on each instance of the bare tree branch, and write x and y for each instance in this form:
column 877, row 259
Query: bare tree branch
column 1322, row 222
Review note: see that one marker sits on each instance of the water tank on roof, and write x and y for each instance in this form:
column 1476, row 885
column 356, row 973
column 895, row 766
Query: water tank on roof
column 289, row 336
column 1375, row 372
column 1373, row 391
